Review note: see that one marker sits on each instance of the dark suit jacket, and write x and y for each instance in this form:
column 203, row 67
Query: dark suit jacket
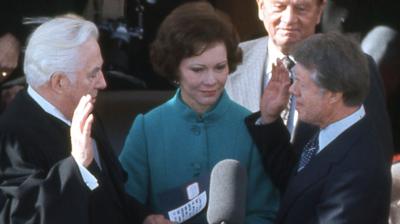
column 347, row 182
column 42, row 182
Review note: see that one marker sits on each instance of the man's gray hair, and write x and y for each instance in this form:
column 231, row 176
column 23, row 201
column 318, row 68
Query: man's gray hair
column 54, row 47
column 340, row 65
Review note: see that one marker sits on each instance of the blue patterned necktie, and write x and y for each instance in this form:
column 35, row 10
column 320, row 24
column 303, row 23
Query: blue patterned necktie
column 309, row 151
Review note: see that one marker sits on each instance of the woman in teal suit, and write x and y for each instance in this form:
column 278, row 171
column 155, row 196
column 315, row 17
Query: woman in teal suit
column 170, row 151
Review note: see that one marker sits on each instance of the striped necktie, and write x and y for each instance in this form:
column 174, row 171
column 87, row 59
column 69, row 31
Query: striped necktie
column 289, row 112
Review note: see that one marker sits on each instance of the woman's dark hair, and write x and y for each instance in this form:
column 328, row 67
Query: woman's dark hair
column 188, row 31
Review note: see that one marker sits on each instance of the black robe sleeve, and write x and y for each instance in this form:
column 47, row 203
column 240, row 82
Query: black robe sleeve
column 34, row 195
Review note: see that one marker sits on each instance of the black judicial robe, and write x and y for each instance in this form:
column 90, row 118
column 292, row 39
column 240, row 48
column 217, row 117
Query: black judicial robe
column 41, row 181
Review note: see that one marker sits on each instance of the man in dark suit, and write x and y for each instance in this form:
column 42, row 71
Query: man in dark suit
column 342, row 174
column 287, row 23
column 56, row 165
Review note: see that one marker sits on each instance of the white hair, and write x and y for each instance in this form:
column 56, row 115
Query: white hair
column 54, row 47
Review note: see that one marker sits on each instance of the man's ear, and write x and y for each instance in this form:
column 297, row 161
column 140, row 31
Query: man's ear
column 59, row 82
column 261, row 6
column 321, row 11
column 335, row 97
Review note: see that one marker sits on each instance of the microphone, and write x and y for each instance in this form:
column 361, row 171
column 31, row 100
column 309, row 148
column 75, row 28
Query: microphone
column 227, row 198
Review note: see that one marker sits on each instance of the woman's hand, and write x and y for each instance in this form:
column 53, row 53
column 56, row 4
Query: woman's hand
column 156, row 219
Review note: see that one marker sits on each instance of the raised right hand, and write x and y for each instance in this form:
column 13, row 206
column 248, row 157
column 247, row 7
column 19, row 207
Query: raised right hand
column 81, row 125
column 276, row 94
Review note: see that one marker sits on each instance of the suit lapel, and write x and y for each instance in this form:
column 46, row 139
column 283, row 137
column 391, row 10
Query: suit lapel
column 303, row 133
column 249, row 76
column 320, row 166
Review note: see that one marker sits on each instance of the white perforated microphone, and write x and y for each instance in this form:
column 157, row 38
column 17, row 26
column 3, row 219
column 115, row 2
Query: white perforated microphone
column 227, row 199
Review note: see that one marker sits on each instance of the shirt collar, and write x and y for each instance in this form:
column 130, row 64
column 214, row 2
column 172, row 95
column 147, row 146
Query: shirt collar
column 273, row 55
column 332, row 131
column 47, row 106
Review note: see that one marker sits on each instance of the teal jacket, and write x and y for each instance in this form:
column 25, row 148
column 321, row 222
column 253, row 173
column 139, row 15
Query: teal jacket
column 171, row 144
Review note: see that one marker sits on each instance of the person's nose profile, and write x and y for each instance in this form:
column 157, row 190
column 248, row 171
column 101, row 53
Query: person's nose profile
column 292, row 88
column 101, row 82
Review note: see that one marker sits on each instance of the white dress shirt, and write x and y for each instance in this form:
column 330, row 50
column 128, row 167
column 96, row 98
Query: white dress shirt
column 273, row 55
column 332, row 131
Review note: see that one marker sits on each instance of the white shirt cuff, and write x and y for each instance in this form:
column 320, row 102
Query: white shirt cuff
column 88, row 178
column 258, row 122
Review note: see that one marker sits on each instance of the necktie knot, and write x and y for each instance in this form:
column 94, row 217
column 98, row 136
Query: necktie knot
column 288, row 63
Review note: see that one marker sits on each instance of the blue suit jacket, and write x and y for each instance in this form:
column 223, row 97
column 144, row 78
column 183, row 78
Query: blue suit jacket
column 347, row 182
